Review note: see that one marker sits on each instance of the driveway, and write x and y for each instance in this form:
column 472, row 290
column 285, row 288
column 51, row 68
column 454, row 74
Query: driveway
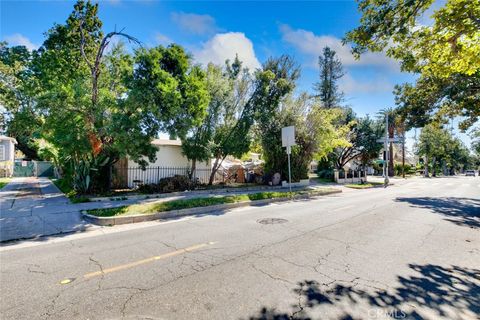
column 34, row 207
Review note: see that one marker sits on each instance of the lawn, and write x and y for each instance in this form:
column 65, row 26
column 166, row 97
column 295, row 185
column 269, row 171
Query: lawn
column 191, row 203
column 67, row 189
column 364, row 185
column 4, row 182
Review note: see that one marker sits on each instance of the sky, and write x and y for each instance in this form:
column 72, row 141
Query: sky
column 213, row 31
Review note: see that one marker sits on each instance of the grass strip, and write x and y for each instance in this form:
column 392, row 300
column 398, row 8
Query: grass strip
column 67, row 189
column 364, row 185
column 192, row 203
column 4, row 182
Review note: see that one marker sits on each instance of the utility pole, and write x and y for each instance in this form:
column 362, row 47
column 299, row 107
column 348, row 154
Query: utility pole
column 387, row 151
column 403, row 156
column 403, row 149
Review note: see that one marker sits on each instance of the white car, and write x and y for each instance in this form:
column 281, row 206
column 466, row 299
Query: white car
column 470, row 173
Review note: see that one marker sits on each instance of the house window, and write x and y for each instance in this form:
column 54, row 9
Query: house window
column 2, row 153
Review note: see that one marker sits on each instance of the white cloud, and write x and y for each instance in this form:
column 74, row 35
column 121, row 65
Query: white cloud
column 113, row 2
column 350, row 85
column 312, row 45
column 224, row 46
column 162, row 39
column 19, row 40
column 195, row 23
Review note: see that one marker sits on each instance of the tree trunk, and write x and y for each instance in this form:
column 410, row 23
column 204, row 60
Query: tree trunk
column 391, row 171
column 434, row 172
column 403, row 158
column 426, row 167
column 214, row 171
column 193, row 168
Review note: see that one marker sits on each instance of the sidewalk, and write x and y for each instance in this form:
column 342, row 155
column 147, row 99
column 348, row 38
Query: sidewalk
column 25, row 210
column 34, row 207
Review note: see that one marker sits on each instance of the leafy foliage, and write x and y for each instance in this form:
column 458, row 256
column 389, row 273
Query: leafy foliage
column 331, row 70
column 440, row 148
column 17, row 90
column 446, row 54
column 362, row 136
column 225, row 129
column 316, row 134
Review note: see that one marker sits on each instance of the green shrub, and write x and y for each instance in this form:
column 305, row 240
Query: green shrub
column 170, row 184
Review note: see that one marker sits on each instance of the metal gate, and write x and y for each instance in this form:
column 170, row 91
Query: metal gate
column 32, row 169
column 44, row 168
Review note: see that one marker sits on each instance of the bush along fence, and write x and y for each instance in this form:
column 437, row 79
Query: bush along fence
column 350, row 176
column 133, row 177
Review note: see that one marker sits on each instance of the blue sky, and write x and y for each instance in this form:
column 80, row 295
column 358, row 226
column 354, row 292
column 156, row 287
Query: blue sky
column 216, row 30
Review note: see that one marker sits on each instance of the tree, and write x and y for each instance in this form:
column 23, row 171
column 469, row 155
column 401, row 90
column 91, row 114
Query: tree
column 17, row 91
column 331, row 70
column 432, row 143
column 170, row 88
column 316, row 135
column 393, row 126
column 99, row 107
column 225, row 130
column 445, row 54
column 475, row 136
column 272, row 84
column 434, row 99
column 255, row 100
column 362, row 136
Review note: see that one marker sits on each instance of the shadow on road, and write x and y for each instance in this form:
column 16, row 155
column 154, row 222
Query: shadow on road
column 461, row 211
column 451, row 293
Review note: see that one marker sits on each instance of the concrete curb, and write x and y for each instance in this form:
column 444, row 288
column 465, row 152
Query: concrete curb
column 111, row 221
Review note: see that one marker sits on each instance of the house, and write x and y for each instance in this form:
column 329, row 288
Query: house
column 170, row 162
column 7, row 155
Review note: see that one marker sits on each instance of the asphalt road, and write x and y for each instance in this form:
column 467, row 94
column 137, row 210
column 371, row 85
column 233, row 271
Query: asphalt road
column 409, row 251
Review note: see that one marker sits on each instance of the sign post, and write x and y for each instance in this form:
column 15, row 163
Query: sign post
column 387, row 152
column 288, row 140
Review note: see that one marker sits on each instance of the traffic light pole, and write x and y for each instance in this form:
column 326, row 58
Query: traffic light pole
column 387, row 153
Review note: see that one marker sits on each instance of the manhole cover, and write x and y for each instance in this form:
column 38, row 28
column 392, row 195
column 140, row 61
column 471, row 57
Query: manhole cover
column 272, row 221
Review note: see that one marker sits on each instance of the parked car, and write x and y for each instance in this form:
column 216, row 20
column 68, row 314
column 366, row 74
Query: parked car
column 470, row 173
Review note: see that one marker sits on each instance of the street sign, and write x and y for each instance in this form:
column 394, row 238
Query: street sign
column 288, row 140
column 288, row 136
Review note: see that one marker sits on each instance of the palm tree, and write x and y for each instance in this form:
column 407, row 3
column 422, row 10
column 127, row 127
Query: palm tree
column 393, row 120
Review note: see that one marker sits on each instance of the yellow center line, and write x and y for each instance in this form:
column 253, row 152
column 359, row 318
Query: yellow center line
column 147, row 260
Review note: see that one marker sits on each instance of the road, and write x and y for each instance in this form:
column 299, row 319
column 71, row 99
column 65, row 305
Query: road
column 409, row 251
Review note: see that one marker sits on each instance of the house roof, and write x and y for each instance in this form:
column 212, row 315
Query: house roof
column 166, row 142
column 8, row 138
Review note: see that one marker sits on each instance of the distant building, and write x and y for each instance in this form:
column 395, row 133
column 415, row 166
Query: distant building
column 7, row 155
column 170, row 161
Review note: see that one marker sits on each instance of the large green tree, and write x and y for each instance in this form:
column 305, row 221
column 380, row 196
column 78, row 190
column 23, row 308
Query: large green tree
column 17, row 97
column 317, row 134
column 445, row 54
column 363, row 146
column 83, row 102
column 169, row 88
column 442, row 151
column 99, row 105
column 331, row 70
column 226, row 129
